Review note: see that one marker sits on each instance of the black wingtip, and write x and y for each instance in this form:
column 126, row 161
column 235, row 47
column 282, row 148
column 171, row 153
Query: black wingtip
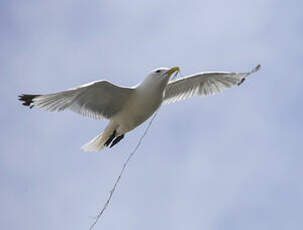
column 27, row 99
column 242, row 80
column 257, row 68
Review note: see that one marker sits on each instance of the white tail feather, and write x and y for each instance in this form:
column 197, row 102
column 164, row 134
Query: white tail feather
column 96, row 144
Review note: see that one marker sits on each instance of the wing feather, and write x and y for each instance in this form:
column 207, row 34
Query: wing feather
column 99, row 99
column 204, row 83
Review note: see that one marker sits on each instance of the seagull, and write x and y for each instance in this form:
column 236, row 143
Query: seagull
column 127, row 108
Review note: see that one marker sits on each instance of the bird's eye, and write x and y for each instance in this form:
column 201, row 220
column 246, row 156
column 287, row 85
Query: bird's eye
column 158, row 71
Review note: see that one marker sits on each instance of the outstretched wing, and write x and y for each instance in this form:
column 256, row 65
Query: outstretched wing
column 203, row 84
column 99, row 99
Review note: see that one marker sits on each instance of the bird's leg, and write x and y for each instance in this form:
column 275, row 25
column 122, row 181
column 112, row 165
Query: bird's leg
column 119, row 138
column 110, row 139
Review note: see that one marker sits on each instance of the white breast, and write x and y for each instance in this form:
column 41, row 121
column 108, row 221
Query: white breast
column 141, row 105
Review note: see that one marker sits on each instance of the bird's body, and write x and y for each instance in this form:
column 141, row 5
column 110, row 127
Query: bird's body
column 139, row 108
column 127, row 108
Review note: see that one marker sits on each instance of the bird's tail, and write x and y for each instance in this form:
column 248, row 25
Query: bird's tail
column 96, row 144
column 99, row 142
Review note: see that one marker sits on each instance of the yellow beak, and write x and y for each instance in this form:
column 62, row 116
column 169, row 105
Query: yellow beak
column 173, row 69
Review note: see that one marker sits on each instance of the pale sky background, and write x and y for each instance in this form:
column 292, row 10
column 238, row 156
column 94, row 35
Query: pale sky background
column 229, row 161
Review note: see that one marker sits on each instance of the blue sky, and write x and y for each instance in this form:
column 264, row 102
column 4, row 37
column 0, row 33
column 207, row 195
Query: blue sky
column 229, row 161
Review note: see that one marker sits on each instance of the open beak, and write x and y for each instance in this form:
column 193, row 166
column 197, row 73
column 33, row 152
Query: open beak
column 172, row 70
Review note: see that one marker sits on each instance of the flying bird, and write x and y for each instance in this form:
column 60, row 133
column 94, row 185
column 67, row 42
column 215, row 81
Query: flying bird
column 127, row 108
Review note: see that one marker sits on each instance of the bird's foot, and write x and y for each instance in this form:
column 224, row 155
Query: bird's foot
column 110, row 139
column 116, row 141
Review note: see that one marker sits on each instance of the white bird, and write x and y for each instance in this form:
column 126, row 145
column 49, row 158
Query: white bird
column 127, row 108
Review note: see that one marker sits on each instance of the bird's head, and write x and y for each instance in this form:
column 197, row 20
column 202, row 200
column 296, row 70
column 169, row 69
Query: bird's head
column 163, row 72
column 160, row 76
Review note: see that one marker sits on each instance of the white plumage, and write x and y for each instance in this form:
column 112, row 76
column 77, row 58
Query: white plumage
column 127, row 108
column 203, row 83
column 99, row 99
